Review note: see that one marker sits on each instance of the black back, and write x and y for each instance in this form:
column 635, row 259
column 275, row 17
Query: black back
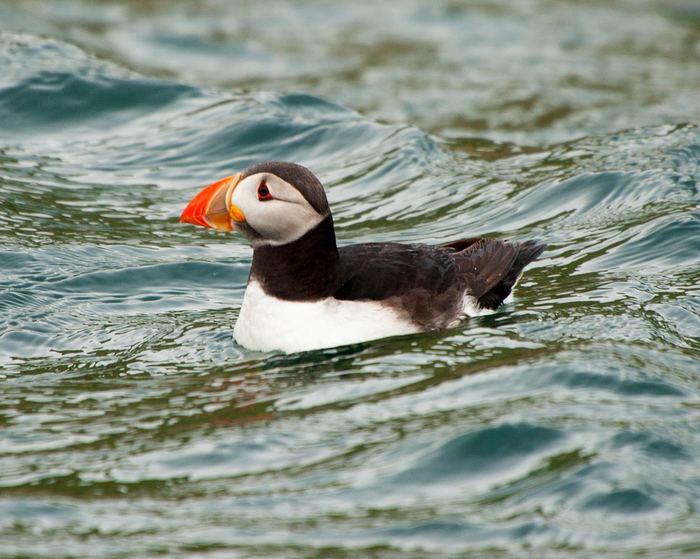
column 427, row 284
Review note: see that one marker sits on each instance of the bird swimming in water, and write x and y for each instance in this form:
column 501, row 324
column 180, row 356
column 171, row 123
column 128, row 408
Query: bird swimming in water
column 305, row 293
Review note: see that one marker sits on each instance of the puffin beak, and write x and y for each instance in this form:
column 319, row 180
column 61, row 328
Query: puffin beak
column 212, row 206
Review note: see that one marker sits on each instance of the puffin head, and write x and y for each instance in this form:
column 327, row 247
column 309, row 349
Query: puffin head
column 270, row 204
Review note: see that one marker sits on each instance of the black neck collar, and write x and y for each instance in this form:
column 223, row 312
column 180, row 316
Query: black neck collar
column 303, row 270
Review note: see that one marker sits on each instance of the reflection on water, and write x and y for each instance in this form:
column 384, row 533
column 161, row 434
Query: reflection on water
column 566, row 425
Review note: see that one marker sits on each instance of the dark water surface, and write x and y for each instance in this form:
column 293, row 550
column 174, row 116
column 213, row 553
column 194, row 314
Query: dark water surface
column 567, row 425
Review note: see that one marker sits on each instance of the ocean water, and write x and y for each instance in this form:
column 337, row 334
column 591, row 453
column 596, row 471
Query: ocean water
column 566, row 425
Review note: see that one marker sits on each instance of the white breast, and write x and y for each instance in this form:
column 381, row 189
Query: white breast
column 267, row 324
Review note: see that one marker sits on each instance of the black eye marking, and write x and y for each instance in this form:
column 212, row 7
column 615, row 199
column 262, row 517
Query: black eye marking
column 264, row 192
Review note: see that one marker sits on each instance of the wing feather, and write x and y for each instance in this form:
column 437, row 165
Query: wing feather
column 427, row 284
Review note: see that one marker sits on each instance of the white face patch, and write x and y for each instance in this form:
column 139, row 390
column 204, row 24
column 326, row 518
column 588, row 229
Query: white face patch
column 283, row 218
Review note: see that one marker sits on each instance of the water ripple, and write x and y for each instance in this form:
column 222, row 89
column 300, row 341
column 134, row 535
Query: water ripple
column 133, row 425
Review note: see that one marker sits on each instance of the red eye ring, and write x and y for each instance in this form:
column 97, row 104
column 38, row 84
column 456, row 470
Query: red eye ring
column 264, row 192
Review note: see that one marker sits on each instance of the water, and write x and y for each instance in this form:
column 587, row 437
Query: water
column 564, row 426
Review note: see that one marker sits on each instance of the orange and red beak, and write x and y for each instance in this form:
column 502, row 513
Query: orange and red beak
column 212, row 207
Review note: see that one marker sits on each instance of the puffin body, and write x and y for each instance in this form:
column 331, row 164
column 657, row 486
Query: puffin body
column 305, row 293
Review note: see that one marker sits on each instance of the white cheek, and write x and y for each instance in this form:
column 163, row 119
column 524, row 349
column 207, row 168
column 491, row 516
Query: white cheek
column 277, row 221
column 281, row 222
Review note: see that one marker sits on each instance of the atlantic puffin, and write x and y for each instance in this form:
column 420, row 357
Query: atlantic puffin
column 306, row 293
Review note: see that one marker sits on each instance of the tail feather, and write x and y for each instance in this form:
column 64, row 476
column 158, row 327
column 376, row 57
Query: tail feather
column 483, row 264
column 491, row 268
column 528, row 252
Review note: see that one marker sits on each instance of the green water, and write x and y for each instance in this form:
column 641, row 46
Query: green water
column 566, row 425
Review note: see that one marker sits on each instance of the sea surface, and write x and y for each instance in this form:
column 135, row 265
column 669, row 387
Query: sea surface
column 567, row 425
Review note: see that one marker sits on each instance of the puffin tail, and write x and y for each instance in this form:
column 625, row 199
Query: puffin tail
column 528, row 252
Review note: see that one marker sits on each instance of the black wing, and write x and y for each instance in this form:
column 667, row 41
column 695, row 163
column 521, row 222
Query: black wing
column 420, row 282
column 427, row 284
column 495, row 294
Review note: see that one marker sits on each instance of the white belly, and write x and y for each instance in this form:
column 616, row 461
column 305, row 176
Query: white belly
column 268, row 324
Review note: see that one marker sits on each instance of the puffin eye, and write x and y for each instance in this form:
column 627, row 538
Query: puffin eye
column 264, row 192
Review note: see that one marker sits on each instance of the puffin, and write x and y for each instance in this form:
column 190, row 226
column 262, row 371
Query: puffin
column 304, row 292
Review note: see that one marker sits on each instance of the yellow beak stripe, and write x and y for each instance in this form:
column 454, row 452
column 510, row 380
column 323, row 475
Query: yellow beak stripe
column 236, row 214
